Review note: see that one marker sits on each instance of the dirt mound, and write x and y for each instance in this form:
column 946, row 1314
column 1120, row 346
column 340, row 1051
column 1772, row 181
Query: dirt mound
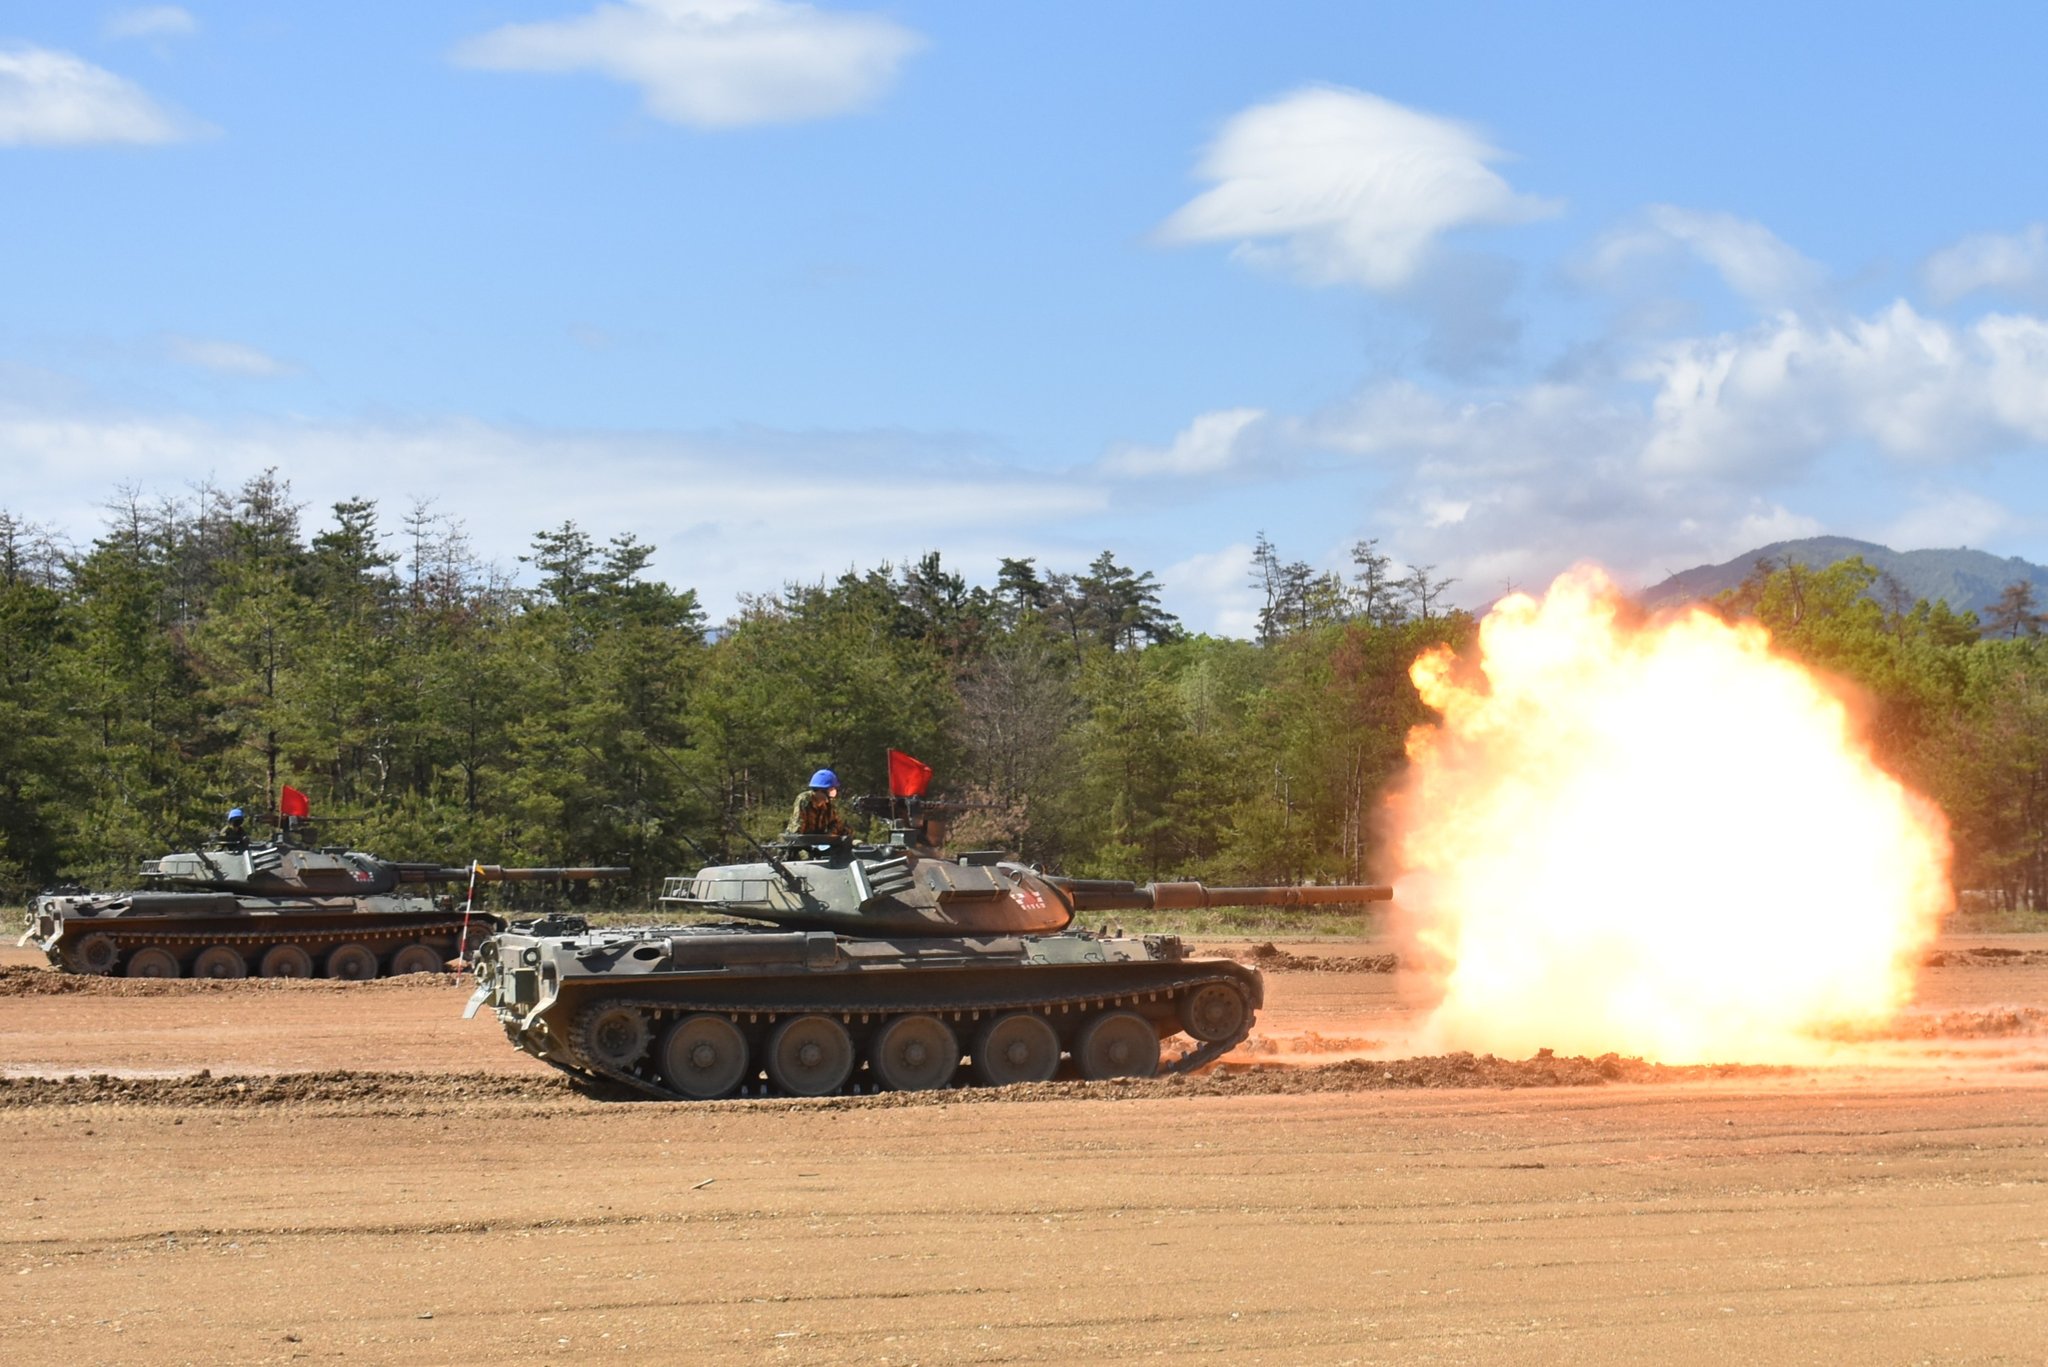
column 2001, row 1022
column 1308, row 1042
column 1478, row 1070
column 1272, row 959
column 20, row 981
column 1985, row 956
column 342, row 1089
column 411, row 1093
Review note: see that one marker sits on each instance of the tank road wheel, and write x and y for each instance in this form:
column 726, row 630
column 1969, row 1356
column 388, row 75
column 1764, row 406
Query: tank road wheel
column 1019, row 1047
column 352, row 963
column 285, row 961
column 220, row 961
column 704, row 1057
column 612, row 1034
column 1118, row 1044
column 810, row 1055
column 915, row 1054
column 1215, row 1011
column 418, row 958
column 154, row 962
column 96, row 953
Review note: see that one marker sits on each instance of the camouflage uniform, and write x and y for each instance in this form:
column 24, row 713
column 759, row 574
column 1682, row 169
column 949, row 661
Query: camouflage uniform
column 234, row 835
column 815, row 813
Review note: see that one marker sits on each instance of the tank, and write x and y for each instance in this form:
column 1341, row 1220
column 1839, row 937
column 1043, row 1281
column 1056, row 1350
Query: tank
column 275, row 909
column 876, row 968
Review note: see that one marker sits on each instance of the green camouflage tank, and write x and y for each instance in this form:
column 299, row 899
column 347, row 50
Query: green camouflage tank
column 876, row 967
column 275, row 909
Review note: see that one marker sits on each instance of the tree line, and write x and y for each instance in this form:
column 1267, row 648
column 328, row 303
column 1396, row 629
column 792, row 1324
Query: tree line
column 203, row 651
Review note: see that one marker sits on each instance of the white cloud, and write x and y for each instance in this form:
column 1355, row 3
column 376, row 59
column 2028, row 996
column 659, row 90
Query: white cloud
column 227, row 358
column 150, row 21
column 1949, row 517
column 55, row 99
column 1510, row 488
column 1506, row 435
column 1445, row 512
column 1761, row 524
column 1712, row 458
column 714, row 63
column 1343, row 187
column 2014, row 263
column 719, row 507
column 1212, row 443
column 1211, row 591
column 1916, row 387
column 1750, row 258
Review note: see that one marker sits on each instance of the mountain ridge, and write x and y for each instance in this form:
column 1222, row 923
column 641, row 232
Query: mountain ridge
column 1967, row 580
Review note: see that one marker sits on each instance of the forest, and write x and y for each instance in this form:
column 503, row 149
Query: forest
column 204, row 650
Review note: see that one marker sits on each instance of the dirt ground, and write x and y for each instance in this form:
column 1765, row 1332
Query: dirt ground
column 291, row 1171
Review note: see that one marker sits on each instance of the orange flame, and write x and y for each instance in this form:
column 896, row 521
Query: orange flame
column 1659, row 840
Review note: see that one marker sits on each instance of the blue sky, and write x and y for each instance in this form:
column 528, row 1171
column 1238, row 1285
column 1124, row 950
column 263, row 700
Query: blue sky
column 784, row 288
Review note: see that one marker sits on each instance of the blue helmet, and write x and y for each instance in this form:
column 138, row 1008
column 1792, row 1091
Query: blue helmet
column 824, row 778
column 234, row 813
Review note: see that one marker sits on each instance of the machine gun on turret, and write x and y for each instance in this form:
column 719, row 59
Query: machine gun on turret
column 915, row 822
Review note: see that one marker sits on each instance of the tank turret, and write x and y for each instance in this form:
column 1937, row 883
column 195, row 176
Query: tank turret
column 881, row 890
column 279, row 869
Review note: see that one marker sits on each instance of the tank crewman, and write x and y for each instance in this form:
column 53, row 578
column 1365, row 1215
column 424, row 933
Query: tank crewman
column 817, row 811
column 234, row 835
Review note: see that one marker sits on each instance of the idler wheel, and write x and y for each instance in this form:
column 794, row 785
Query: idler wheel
column 417, row 958
column 1019, row 1047
column 153, row 962
column 810, row 1055
column 915, row 1054
column 285, row 961
column 1118, row 1044
column 704, row 1057
column 220, row 961
column 352, row 963
column 96, row 953
column 1215, row 1011
column 614, row 1035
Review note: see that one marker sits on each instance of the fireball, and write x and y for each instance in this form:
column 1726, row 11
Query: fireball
column 1654, row 838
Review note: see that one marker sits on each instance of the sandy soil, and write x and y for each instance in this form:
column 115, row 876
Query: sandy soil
column 390, row 1183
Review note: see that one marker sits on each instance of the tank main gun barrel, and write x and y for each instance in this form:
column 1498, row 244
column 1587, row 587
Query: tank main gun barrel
column 1111, row 894
column 494, row 873
column 498, row 873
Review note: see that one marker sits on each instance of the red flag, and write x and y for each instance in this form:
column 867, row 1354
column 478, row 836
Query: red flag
column 292, row 802
column 907, row 777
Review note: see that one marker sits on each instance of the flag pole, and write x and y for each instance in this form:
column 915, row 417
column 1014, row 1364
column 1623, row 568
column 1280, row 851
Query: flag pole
column 468, row 901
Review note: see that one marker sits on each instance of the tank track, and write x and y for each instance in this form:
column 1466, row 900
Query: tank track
column 660, row 1010
column 315, row 940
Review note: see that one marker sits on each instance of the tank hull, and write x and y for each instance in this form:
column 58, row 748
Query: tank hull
column 622, row 1006
column 177, row 934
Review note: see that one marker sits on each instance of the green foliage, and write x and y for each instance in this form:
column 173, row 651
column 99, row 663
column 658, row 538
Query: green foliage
column 201, row 654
